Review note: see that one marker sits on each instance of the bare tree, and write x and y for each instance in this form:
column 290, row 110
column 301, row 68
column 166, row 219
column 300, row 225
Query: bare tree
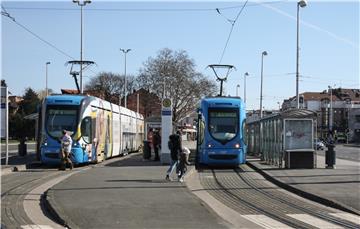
column 110, row 85
column 172, row 74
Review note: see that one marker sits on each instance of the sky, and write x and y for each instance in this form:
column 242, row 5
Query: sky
column 329, row 42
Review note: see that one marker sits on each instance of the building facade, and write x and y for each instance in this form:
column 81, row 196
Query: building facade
column 338, row 110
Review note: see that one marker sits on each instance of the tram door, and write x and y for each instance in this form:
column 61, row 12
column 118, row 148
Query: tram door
column 199, row 140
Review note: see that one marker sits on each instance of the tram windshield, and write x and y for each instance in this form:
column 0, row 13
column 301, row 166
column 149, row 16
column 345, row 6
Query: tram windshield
column 223, row 124
column 60, row 118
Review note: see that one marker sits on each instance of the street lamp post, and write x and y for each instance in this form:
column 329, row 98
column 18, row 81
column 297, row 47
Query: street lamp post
column 331, row 111
column 81, row 38
column 125, row 51
column 46, row 79
column 245, row 75
column 264, row 53
column 237, row 89
column 302, row 4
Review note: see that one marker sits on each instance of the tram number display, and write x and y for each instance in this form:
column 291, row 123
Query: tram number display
column 218, row 114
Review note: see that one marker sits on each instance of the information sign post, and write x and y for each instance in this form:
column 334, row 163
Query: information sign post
column 166, row 129
column 5, row 120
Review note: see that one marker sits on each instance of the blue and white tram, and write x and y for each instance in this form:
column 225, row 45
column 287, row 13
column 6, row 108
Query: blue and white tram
column 221, row 131
column 99, row 129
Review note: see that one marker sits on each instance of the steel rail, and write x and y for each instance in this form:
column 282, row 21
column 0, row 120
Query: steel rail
column 321, row 215
column 283, row 219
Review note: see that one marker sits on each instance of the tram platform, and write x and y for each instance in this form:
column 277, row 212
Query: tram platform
column 133, row 193
column 338, row 188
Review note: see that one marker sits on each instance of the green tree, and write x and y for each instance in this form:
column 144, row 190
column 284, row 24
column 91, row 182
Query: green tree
column 172, row 74
column 18, row 126
column 110, row 85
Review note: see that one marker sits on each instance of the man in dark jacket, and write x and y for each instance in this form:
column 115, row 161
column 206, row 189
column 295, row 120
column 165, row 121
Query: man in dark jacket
column 156, row 140
column 175, row 147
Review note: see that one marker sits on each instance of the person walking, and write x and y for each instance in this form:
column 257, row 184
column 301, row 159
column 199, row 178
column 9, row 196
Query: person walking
column 156, row 144
column 183, row 162
column 175, row 147
column 65, row 151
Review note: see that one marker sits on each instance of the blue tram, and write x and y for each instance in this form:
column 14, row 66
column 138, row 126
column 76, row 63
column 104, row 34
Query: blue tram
column 221, row 131
column 99, row 129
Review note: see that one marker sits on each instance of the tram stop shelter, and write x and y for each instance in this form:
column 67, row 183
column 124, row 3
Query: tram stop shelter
column 287, row 138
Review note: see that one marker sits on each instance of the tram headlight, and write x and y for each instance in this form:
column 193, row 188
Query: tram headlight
column 237, row 145
column 45, row 141
column 209, row 145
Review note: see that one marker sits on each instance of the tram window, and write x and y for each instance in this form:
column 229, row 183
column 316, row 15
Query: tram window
column 223, row 124
column 86, row 129
column 60, row 118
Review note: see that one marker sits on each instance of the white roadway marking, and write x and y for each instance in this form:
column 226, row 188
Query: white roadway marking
column 32, row 205
column 265, row 221
column 235, row 219
column 311, row 220
column 347, row 216
column 36, row 227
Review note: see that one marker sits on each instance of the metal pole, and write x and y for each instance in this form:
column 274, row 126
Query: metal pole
column 331, row 110
column 301, row 3
column 46, row 89
column 81, row 48
column 125, row 83
column 246, row 74
column 297, row 57
column 221, row 87
column 7, row 125
column 237, row 90
column 261, row 85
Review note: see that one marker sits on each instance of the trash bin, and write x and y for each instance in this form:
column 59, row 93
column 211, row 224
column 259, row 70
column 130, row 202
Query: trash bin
column 22, row 147
column 330, row 156
column 147, row 150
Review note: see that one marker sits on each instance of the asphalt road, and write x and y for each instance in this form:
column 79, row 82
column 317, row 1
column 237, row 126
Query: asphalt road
column 344, row 152
column 13, row 149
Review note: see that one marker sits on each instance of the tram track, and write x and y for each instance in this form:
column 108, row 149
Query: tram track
column 239, row 190
column 13, row 213
column 294, row 203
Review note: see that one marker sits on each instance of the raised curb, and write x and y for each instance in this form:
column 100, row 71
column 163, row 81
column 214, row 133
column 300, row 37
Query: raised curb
column 302, row 193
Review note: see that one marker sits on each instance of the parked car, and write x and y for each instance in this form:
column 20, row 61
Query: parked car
column 319, row 145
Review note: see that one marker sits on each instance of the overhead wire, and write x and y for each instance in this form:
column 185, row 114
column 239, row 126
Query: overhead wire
column 6, row 14
column 231, row 29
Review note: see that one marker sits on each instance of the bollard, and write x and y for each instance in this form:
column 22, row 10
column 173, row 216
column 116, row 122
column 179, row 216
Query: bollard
column 330, row 156
column 146, row 150
column 22, row 147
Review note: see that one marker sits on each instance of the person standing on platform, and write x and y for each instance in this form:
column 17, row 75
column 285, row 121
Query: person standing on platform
column 175, row 147
column 150, row 136
column 156, row 144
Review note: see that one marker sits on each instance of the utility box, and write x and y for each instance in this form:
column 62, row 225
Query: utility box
column 299, row 159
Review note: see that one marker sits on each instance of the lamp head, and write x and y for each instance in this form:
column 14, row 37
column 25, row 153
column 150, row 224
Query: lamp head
column 87, row 1
column 302, row 3
column 48, row 62
column 75, row 1
column 246, row 74
column 264, row 53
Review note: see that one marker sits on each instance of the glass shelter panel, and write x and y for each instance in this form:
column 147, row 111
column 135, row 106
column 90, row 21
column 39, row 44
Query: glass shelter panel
column 298, row 134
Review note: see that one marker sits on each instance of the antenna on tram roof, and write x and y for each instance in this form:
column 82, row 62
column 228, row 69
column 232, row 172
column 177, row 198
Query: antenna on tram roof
column 221, row 72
